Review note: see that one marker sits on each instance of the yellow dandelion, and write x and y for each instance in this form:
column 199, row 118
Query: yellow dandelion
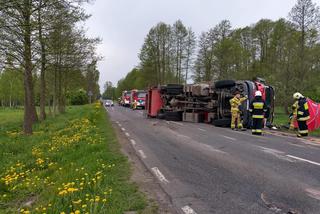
column 77, row 202
column 63, row 192
column 71, row 189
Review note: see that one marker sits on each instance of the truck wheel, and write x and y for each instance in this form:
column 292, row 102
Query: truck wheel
column 224, row 84
column 173, row 116
column 222, row 122
column 174, row 89
column 161, row 116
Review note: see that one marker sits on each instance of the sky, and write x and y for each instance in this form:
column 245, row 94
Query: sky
column 123, row 24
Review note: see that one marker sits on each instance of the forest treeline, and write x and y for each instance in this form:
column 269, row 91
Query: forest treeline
column 285, row 52
column 46, row 59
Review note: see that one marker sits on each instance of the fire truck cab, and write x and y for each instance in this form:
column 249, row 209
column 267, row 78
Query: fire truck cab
column 125, row 98
column 138, row 99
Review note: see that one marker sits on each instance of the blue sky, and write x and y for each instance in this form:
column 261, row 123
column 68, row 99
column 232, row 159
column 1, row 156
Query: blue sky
column 123, row 24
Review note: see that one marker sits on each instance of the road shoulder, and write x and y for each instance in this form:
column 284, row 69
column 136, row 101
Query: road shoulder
column 158, row 200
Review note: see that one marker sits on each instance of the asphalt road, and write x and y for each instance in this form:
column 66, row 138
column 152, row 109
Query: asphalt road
column 206, row 169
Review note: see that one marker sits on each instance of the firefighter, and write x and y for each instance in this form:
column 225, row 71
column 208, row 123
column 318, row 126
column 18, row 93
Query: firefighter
column 303, row 114
column 257, row 109
column 235, row 104
column 293, row 115
column 134, row 104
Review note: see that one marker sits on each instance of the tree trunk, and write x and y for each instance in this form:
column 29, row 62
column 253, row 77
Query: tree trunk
column 49, row 105
column 30, row 114
column 54, row 101
column 61, row 108
column 43, row 67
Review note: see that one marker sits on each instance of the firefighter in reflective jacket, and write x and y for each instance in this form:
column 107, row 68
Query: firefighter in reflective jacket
column 235, row 103
column 293, row 115
column 257, row 109
column 303, row 114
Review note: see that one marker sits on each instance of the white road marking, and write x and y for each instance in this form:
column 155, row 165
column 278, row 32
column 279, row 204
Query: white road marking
column 159, row 175
column 123, row 129
column 308, row 142
column 210, row 148
column 142, row 154
column 272, row 151
column 229, row 138
column 180, row 124
column 119, row 125
column 313, row 193
column 276, row 153
column 127, row 134
column 202, row 129
column 304, row 160
column 188, row 210
column 133, row 142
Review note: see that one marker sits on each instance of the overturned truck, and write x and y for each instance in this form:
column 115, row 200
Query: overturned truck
column 208, row 103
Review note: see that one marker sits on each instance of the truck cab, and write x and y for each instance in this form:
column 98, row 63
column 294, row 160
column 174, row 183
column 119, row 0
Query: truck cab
column 125, row 98
column 138, row 99
column 224, row 91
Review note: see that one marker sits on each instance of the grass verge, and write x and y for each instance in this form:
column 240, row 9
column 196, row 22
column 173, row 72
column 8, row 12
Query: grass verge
column 72, row 164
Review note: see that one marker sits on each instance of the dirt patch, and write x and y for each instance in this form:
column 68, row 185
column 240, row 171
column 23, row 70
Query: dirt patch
column 158, row 200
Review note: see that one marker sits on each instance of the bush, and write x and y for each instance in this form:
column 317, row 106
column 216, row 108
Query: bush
column 78, row 97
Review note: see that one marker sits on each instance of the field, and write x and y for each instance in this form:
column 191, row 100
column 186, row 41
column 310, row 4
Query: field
column 72, row 164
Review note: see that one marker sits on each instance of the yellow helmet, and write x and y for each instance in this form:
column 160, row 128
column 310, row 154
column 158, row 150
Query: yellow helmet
column 297, row 96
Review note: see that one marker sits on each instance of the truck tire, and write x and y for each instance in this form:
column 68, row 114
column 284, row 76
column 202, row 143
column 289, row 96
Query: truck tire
column 174, row 89
column 222, row 122
column 161, row 116
column 173, row 116
column 224, row 84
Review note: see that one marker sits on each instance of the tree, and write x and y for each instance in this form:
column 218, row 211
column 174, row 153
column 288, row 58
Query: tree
column 190, row 48
column 167, row 53
column 179, row 34
column 305, row 17
column 41, row 36
column 109, row 91
column 16, row 41
column 11, row 87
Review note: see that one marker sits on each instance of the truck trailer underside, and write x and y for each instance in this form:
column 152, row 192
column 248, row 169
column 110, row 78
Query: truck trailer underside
column 205, row 102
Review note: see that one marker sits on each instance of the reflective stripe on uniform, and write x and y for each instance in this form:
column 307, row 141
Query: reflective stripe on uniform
column 303, row 118
column 258, row 130
column 300, row 112
column 303, row 131
column 258, row 105
column 306, row 107
column 258, row 116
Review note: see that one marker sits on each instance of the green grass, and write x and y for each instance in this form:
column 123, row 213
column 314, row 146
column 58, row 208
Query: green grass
column 281, row 119
column 71, row 163
column 10, row 116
